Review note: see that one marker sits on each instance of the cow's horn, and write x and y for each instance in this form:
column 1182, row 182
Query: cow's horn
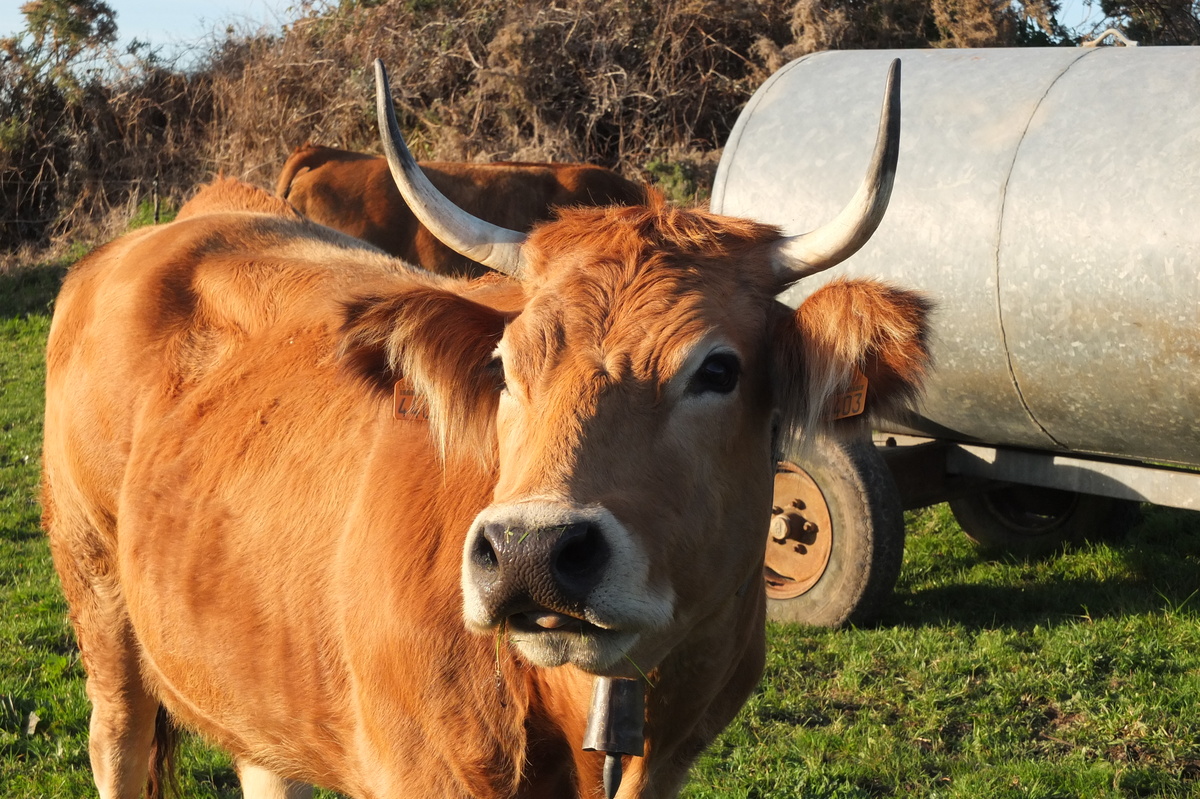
column 470, row 236
column 809, row 253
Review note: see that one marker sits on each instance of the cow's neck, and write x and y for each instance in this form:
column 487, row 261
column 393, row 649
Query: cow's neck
column 726, row 655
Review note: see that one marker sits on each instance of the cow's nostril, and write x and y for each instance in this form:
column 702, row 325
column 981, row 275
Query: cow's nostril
column 580, row 558
column 483, row 554
column 549, row 569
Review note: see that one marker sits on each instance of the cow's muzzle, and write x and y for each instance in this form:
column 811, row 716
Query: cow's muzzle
column 563, row 582
column 537, row 578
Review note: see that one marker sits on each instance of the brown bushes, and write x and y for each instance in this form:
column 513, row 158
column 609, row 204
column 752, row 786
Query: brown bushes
column 649, row 87
column 616, row 83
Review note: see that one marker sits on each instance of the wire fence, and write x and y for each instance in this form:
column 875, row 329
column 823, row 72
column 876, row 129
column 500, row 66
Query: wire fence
column 105, row 206
column 49, row 218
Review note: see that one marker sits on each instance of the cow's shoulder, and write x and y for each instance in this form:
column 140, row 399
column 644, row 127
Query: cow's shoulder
column 224, row 284
column 228, row 195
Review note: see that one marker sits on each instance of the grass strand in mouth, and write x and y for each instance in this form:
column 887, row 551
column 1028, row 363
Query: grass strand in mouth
column 639, row 670
column 501, row 631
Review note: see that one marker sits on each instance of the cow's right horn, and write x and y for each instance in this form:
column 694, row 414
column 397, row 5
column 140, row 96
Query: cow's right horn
column 834, row 242
column 491, row 245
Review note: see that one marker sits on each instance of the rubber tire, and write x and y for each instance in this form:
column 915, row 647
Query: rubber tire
column 1032, row 522
column 868, row 536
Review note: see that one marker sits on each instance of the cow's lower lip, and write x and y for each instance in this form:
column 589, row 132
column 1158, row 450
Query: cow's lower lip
column 593, row 649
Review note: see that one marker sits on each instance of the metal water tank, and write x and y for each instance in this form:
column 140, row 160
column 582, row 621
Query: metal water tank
column 1048, row 199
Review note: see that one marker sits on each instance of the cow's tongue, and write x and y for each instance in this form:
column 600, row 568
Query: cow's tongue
column 537, row 621
column 549, row 620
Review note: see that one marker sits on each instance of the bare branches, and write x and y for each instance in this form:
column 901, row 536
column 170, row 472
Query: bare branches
column 644, row 86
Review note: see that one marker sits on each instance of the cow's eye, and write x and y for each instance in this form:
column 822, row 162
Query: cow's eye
column 496, row 367
column 719, row 373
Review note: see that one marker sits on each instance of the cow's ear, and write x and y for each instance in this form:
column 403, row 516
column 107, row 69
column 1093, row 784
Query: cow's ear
column 845, row 331
column 441, row 346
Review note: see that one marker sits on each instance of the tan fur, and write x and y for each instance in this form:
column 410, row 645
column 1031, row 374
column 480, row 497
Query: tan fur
column 247, row 536
column 354, row 193
column 224, row 195
column 849, row 325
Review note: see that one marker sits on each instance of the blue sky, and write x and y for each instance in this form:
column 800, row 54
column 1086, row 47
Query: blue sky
column 174, row 24
column 1076, row 13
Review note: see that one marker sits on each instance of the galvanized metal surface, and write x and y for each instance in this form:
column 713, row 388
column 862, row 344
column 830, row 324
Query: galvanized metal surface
column 950, row 469
column 1048, row 199
column 616, row 717
column 1174, row 488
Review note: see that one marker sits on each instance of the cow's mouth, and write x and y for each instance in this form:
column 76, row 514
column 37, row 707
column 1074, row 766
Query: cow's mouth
column 549, row 621
column 548, row 638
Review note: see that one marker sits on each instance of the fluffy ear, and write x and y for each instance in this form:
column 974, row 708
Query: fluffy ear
column 845, row 328
column 441, row 345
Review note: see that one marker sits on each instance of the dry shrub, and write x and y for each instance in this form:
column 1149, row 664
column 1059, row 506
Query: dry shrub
column 616, row 83
column 89, row 156
column 974, row 23
column 648, row 87
column 1175, row 22
column 840, row 25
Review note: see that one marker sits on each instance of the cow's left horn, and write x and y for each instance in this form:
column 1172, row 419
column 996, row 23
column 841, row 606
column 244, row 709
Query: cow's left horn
column 829, row 245
column 470, row 236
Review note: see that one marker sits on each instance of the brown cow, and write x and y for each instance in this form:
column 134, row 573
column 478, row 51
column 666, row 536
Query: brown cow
column 354, row 193
column 381, row 530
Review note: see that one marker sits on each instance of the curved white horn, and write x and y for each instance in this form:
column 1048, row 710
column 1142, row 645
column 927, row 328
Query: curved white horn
column 470, row 236
column 809, row 253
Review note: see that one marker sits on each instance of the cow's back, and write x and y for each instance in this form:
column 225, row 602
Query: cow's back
column 142, row 315
column 355, row 194
column 311, row 156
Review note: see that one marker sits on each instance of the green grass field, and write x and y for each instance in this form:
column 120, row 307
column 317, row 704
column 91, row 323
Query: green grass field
column 1076, row 676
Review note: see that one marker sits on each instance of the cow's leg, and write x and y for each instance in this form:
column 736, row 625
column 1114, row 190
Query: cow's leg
column 122, row 727
column 258, row 783
column 121, row 732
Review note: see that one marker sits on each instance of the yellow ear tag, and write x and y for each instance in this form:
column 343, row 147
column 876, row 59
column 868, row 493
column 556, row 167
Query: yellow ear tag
column 853, row 401
column 406, row 405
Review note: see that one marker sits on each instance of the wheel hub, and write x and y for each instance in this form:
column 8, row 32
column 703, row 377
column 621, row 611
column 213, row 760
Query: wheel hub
column 800, row 538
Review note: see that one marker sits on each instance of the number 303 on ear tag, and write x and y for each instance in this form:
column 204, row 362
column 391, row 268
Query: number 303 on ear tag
column 853, row 401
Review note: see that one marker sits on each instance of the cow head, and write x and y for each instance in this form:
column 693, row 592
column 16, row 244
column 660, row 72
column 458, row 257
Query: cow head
column 638, row 388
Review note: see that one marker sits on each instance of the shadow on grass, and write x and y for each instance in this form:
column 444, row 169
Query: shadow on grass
column 210, row 780
column 30, row 289
column 1160, row 558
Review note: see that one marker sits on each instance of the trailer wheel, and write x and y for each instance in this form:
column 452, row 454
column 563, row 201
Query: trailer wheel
column 836, row 538
column 1029, row 521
